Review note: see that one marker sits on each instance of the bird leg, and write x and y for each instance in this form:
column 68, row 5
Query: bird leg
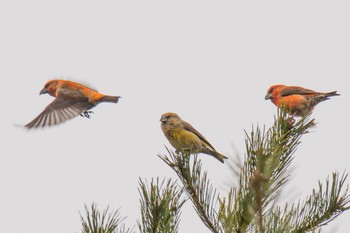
column 291, row 121
column 184, row 150
column 86, row 114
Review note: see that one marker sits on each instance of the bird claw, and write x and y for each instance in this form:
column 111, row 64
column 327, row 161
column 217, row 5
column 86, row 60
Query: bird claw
column 291, row 121
column 86, row 114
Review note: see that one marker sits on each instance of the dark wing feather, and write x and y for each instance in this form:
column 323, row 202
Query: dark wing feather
column 67, row 105
column 190, row 128
column 293, row 90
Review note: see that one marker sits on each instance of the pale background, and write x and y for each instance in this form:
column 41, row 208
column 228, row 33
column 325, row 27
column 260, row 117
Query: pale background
column 210, row 61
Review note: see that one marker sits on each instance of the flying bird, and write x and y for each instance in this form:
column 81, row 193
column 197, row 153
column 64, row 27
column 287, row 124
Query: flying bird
column 71, row 99
column 297, row 100
column 183, row 137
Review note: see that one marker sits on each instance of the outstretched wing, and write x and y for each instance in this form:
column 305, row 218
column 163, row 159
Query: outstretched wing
column 294, row 90
column 67, row 105
column 190, row 128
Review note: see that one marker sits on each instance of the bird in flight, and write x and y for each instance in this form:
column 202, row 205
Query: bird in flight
column 71, row 99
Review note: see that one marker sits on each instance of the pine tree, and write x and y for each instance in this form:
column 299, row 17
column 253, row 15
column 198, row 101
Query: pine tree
column 249, row 207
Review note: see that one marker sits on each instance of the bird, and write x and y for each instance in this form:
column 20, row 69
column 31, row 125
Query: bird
column 296, row 100
column 71, row 100
column 183, row 137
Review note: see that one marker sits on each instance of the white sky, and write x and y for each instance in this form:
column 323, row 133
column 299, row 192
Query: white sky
column 209, row 61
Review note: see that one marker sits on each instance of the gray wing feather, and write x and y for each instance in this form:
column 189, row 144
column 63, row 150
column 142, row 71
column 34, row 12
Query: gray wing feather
column 190, row 128
column 292, row 90
column 67, row 105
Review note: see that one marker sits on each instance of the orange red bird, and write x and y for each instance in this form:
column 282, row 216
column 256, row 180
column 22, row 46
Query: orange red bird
column 71, row 99
column 297, row 100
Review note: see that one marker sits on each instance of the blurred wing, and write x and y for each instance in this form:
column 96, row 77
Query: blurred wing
column 66, row 106
column 293, row 90
column 193, row 130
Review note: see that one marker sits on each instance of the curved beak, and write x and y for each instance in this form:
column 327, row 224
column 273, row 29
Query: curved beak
column 43, row 91
column 268, row 96
column 163, row 119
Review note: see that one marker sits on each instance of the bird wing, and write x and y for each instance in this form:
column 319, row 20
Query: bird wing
column 190, row 128
column 67, row 105
column 294, row 90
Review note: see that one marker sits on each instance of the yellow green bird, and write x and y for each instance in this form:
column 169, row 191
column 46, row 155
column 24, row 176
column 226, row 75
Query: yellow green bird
column 183, row 137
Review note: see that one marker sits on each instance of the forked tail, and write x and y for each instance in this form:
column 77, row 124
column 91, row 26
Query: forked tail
column 332, row 93
column 218, row 156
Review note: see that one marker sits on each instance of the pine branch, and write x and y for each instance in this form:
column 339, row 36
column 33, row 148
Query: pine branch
column 274, row 153
column 200, row 191
column 264, row 172
column 234, row 210
column 160, row 206
column 251, row 206
column 95, row 222
column 320, row 208
column 323, row 205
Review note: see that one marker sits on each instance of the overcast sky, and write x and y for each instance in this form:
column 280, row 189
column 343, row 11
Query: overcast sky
column 209, row 61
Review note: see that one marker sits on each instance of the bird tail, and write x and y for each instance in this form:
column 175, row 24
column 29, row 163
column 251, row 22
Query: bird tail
column 111, row 99
column 218, row 156
column 332, row 93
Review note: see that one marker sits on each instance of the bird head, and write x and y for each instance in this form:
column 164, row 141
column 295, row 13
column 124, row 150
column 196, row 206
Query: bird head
column 50, row 87
column 270, row 93
column 170, row 118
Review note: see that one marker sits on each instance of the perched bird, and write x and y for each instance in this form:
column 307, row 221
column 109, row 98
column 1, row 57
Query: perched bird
column 297, row 100
column 72, row 99
column 182, row 136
